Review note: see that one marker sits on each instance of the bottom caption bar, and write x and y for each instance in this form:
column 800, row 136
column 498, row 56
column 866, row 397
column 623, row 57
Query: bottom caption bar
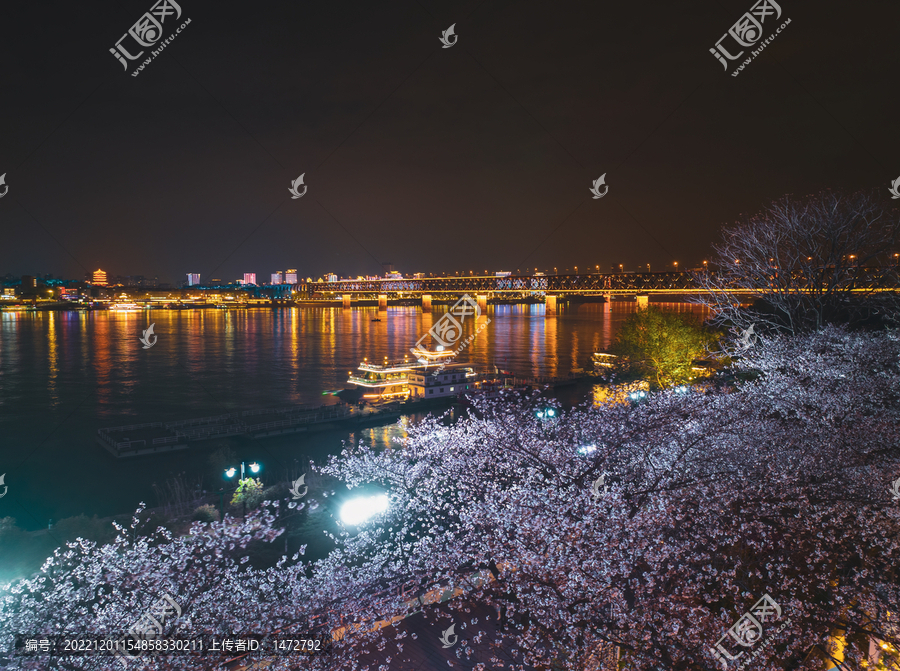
column 203, row 644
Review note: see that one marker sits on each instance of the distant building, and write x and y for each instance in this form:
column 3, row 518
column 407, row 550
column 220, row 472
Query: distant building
column 290, row 276
column 394, row 276
column 276, row 277
column 8, row 293
column 193, row 279
column 249, row 278
column 331, row 277
column 29, row 282
column 99, row 278
column 216, row 281
column 419, row 276
column 502, row 273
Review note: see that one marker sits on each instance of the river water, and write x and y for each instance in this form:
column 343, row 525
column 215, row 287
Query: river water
column 63, row 375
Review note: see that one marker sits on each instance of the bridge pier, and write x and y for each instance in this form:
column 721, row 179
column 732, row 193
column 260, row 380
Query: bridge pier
column 550, row 306
column 607, row 306
column 643, row 300
column 426, row 303
column 382, row 301
column 345, row 301
column 481, row 300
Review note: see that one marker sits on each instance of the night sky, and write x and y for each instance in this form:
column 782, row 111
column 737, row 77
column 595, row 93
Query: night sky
column 479, row 156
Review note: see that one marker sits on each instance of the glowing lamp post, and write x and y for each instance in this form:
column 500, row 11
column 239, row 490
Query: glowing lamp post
column 229, row 473
column 359, row 510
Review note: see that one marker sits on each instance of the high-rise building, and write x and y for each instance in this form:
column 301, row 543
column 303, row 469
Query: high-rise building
column 193, row 279
column 290, row 276
column 249, row 278
column 276, row 277
column 99, row 277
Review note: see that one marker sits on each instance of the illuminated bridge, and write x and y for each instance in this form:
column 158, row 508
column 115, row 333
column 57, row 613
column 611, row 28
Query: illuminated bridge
column 545, row 288
column 518, row 285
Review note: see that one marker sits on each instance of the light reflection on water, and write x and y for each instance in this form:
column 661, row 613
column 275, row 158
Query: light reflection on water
column 63, row 375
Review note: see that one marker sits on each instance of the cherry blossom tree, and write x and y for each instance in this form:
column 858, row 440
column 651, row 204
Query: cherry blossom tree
column 710, row 500
column 809, row 262
column 651, row 528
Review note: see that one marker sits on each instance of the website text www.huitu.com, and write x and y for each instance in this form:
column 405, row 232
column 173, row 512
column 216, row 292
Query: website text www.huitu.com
column 757, row 52
column 157, row 52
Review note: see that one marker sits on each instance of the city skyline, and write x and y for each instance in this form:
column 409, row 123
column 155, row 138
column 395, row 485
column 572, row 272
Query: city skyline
column 101, row 277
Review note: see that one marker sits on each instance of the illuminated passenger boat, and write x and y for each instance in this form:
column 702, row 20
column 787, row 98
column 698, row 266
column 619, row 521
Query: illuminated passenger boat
column 125, row 307
column 391, row 380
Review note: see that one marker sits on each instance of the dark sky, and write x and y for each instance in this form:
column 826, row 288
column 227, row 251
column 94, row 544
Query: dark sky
column 472, row 157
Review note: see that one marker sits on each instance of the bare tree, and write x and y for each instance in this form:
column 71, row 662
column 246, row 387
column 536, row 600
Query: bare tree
column 827, row 258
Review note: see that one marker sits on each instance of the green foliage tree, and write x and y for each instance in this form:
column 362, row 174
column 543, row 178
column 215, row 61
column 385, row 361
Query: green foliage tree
column 249, row 493
column 659, row 346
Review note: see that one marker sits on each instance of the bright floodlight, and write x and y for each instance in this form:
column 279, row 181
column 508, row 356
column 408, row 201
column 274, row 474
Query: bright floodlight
column 357, row 511
column 587, row 449
column 254, row 467
column 230, row 472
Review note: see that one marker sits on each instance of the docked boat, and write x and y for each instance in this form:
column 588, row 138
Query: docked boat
column 492, row 389
column 125, row 307
column 603, row 361
column 429, row 377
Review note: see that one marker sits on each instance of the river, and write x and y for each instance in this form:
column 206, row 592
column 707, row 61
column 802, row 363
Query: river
column 63, row 375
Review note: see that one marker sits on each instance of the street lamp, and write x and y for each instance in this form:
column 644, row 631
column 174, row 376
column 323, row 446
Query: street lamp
column 358, row 510
column 676, row 266
column 229, row 473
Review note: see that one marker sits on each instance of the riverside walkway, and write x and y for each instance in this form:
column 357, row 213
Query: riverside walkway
column 156, row 437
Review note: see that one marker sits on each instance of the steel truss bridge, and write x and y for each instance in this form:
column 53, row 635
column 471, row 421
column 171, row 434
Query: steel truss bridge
column 597, row 284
